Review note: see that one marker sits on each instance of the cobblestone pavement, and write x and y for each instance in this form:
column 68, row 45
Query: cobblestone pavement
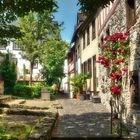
column 82, row 119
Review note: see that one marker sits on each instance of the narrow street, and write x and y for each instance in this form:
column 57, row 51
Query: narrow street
column 82, row 119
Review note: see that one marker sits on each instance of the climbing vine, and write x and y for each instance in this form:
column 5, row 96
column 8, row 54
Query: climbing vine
column 115, row 52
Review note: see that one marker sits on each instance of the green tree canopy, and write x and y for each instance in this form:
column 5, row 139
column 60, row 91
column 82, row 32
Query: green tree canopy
column 53, row 61
column 37, row 28
column 91, row 6
column 10, row 10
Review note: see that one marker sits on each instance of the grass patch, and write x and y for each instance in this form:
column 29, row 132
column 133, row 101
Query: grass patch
column 12, row 130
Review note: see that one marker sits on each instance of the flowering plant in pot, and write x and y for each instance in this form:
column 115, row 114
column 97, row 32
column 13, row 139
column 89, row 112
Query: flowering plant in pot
column 78, row 82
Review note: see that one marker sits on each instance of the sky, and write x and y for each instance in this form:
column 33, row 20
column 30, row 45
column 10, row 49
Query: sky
column 67, row 13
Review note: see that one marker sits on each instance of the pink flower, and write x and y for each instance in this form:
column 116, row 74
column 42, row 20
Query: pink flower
column 125, row 69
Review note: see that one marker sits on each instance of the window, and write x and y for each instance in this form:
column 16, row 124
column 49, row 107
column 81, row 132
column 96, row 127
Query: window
column 82, row 67
column 15, row 46
column 107, row 31
column 89, row 65
column 85, row 67
column 101, row 43
column 130, row 13
column 35, row 64
column 15, row 60
column 83, row 41
column 88, row 36
column 93, row 30
column 134, row 83
column 2, row 47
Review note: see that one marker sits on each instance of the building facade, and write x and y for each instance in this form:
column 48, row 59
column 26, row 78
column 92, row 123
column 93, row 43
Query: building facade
column 86, row 50
column 123, row 16
column 22, row 64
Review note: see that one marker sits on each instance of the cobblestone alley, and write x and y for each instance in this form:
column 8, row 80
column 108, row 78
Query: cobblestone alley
column 82, row 119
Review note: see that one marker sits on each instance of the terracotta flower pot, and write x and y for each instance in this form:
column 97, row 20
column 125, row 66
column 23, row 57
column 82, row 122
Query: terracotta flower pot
column 78, row 96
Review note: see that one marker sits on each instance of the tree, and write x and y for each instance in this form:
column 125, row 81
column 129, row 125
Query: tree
column 10, row 10
column 91, row 6
column 8, row 73
column 36, row 31
column 53, row 61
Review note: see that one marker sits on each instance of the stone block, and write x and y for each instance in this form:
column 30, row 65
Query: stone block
column 96, row 99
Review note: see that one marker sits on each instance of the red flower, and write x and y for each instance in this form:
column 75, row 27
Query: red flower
column 115, row 76
column 118, row 61
column 118, row 75
column 125, row 69
column 118, row 36
column 127, row 33
column 120, row 50
column 116, row 90
column 101, row 57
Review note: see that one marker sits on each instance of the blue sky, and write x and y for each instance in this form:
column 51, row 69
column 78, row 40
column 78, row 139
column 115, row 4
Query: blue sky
column 67, row 13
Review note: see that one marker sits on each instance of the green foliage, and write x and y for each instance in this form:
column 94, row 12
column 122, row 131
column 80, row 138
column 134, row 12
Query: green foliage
column 37, row 32
column 79, row 81
column 27, row 91
column 11, row 9
column 53, row 61
column 8, row 73
column 91, row 6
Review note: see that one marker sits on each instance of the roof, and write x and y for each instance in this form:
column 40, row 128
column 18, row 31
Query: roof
column 81, row 26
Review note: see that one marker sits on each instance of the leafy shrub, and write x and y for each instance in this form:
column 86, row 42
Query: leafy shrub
column 8, row 73
column 27, row 91
column 79, row 81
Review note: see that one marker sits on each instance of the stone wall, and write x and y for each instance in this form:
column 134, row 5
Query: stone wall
column 117, row 23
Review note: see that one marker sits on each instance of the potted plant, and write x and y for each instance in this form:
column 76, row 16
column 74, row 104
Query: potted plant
column 78, row 82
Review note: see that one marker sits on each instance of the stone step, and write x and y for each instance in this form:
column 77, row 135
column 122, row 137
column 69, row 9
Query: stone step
column 5, row 98
column 88, row 138
column 96, row 99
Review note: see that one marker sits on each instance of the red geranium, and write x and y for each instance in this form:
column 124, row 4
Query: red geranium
column 118, row 61
column 115, row 76
column 116, row 90
column 125, row 69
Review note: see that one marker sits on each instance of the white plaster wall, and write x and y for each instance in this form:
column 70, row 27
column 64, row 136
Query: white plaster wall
column 21, row 61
